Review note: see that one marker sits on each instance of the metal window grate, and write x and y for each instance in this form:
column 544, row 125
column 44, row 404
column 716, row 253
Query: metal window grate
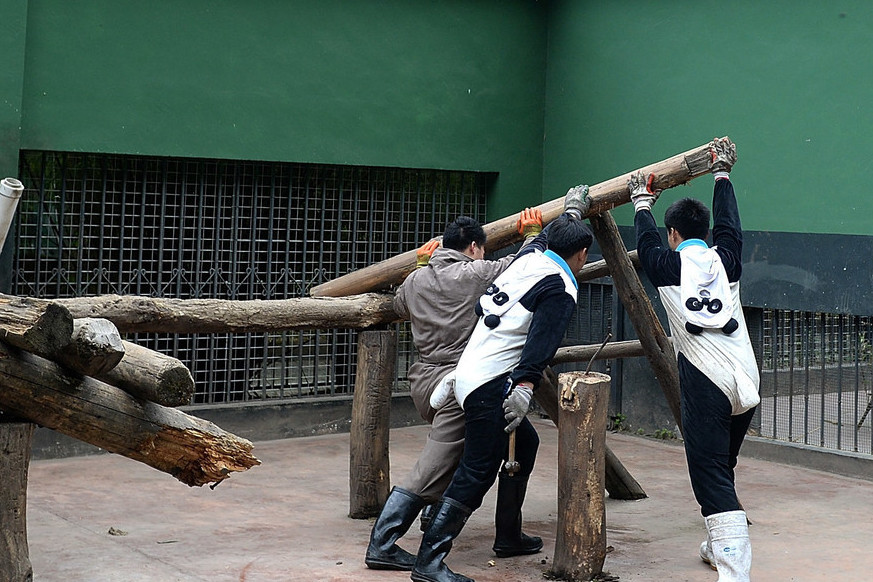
column 817, row 379
column 91, row 224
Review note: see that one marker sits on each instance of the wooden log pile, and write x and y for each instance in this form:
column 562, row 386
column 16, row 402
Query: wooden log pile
column 77, row 376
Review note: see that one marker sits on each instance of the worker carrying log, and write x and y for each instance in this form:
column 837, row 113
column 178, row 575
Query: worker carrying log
column 700, row 289
column 522, row 319
column 439, row 299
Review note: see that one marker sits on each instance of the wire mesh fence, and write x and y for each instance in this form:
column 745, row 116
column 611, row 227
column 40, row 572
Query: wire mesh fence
column 816, row 379
column 93, row 224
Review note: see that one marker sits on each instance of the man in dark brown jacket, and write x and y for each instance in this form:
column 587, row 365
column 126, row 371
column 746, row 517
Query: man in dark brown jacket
column 439, row 299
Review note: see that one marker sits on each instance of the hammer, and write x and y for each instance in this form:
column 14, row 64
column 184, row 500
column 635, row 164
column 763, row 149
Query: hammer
column 511, row 465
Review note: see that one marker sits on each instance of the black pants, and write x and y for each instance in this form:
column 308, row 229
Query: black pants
column 712, row 439
column 486, row 445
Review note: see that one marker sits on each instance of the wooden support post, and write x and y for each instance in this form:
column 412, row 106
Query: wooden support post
column 653, row 339
column 679, row 169
column 15, row 445
column 192, row 450
column 580, row 546
column 620, row 484
column 369, row 466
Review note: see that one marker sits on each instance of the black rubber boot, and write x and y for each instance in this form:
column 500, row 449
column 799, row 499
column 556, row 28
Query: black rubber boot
column 509, row 540
column 447, row 523
column 400, row 510
column 427, row 516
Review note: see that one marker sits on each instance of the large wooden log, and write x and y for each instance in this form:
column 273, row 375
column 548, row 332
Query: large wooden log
column 15, row 447
column 580, row 545
column 369, row 467
column 35, row 325
column 96, row 347
column 620, row 484
column 627, row 284
column 150, row 375
column 679, row 169
column 134, row 314
column 194, row 451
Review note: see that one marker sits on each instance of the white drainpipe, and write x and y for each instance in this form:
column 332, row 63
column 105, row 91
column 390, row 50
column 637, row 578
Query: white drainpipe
column 10, row 193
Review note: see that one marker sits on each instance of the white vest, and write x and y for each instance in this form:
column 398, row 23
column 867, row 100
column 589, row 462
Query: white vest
column 494, row 351
column 726, row 359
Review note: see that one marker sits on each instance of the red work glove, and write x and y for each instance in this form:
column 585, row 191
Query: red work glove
column 530, row 222
column 422, row 256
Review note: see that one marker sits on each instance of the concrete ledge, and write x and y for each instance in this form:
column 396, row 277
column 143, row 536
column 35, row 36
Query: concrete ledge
column 829, row 460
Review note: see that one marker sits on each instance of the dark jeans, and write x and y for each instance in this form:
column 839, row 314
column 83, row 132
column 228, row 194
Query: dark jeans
column 486, row 445
column 712, row 439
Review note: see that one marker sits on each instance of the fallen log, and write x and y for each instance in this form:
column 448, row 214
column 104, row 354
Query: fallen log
column 150, row 375
column 134, row 314
column 192, row 450
column 96, row 347
column 679, row 169
column 35, row 325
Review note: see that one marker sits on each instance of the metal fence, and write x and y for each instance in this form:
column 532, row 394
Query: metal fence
column 91, row 224
column 816, row 378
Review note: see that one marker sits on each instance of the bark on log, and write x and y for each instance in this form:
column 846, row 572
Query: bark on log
column 96, row 347
column 191, row 449
column 679, row 169
column 35, row 325
column 657, row 346
column 580, row 545
column 151, row 375
column 369, row 467
column 620, row 484
column 612, row 350
column 134, row 314
column 15, row 445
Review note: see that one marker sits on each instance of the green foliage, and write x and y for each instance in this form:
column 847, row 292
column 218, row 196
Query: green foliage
column 664, row 434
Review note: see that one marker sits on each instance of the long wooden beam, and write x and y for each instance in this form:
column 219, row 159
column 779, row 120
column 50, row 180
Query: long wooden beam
column 135, row 314
column 674, row 171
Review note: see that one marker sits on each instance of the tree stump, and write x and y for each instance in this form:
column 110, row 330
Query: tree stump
column 620, row 484
column 15, row 443
column 580, row 547
column 369, row 466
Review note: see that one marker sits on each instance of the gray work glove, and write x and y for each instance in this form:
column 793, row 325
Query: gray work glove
column 516, row 405
column 724, row 154
column 576, row 201
column 642, row 191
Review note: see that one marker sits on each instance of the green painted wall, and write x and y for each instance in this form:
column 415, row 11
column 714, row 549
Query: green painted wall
column 633, row 82
column 413, row 83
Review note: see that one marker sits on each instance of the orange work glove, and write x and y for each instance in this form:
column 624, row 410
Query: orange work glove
column 422, row 256
column 530, row 222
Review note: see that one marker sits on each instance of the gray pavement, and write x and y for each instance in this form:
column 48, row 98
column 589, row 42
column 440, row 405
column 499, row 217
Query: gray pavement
column 287, row 519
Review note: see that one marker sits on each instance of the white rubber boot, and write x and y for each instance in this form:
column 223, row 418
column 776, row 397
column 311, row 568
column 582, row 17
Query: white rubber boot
column 706, row 552
column 731, row 548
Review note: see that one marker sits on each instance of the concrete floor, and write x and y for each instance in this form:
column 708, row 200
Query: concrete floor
column 287, row 520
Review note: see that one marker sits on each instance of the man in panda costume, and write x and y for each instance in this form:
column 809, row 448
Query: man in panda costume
column 523, row 316
column 718, row 375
